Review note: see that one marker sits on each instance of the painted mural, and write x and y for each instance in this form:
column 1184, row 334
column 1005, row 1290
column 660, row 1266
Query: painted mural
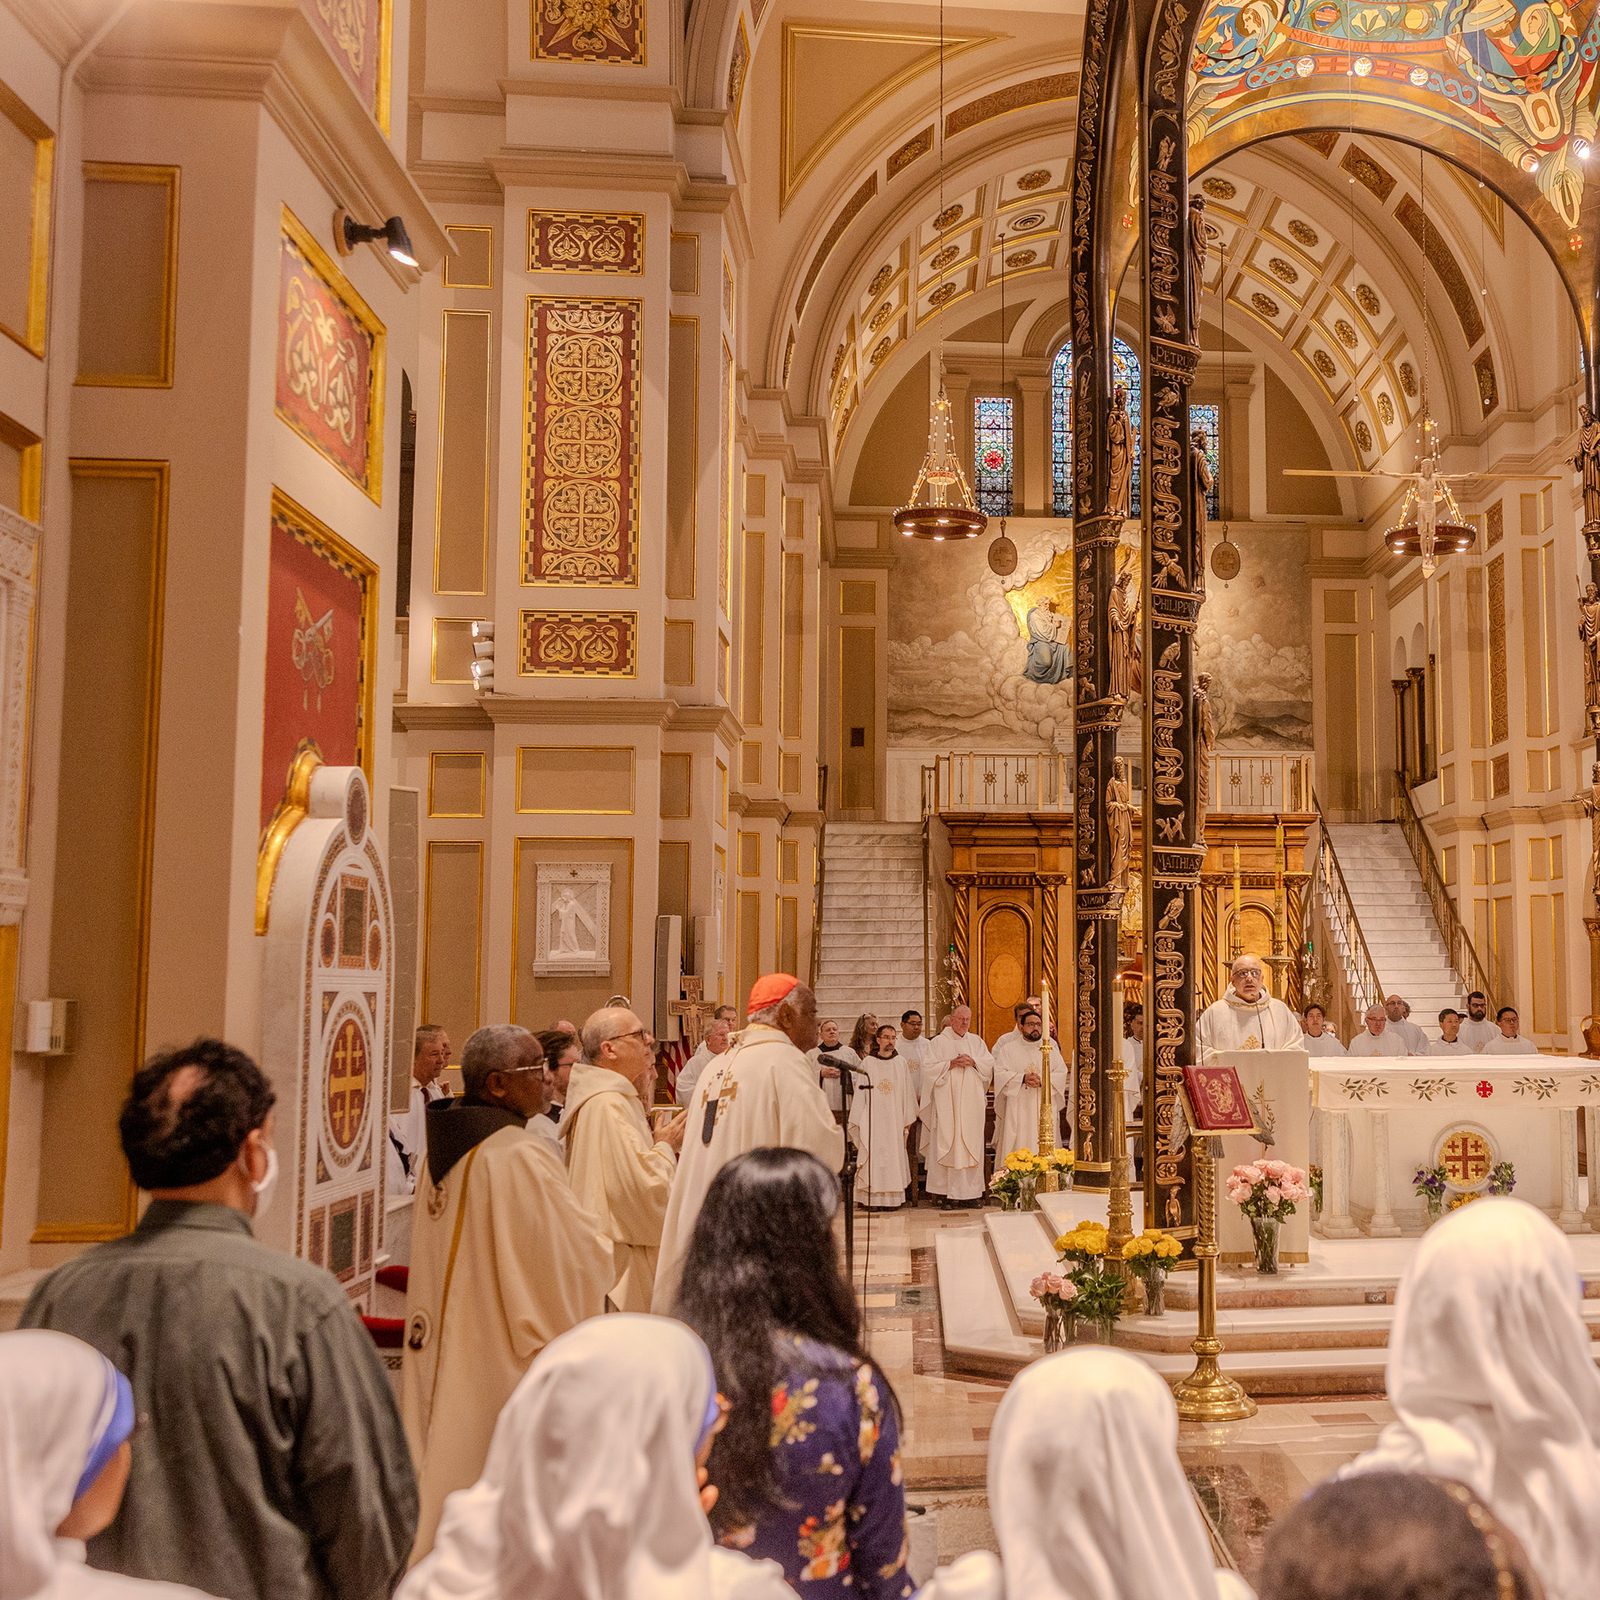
column 976, row 660
column 1516, row 75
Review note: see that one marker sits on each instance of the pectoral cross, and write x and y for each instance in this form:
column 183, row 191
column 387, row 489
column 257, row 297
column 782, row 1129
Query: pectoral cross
column 693, row 1010
column 728, row 1093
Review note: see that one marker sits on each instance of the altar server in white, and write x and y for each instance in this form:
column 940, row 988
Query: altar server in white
column 1018, row 1085
column 1112, row 1517
column 1318, row 1037
column 1478, row 1030
column 1247, row 1017
column 830, row 1044
column 719, row 1035
column 881, row 1114
column 1032, row 1003
column 1133, row 1061
column 1493, row 1383
column 959, row 1072
column 1450, row 1042
column 1509, row 1041
column 1376, row 1039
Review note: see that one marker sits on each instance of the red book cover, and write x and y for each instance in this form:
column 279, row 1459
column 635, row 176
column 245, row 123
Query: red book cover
column 1216, row 1099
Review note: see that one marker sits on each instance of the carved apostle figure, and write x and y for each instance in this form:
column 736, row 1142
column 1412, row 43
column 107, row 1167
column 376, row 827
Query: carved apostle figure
column 1589, row 633
column 1587, row 461
column 1122, row 612
column 1199, row 247
column 1205, row 742
column 1591, row 804
column 1119, row 824
column 1119, row 437
column 1201, row 485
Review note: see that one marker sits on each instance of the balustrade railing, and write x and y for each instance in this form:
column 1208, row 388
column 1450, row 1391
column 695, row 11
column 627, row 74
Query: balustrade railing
column 1474, row 973
column 1339, row 911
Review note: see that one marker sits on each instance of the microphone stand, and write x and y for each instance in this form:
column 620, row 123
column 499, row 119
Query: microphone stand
column 847, row 1173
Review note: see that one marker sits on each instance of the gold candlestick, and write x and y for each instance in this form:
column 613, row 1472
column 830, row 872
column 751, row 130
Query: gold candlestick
column 1119, row 1201
column 1050, row 1179
column 1279, row 959
column 1206, row 1395
column 1236, row 948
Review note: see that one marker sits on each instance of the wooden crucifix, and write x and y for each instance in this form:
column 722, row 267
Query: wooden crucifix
column 692, row 1011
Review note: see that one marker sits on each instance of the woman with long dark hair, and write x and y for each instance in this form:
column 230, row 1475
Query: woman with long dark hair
column 807, row 1470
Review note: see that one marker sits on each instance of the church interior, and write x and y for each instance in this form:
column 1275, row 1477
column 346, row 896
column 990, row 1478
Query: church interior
column 507, row 508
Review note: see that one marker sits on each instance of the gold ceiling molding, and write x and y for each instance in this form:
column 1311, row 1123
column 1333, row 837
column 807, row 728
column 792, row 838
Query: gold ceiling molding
column 905, row 54
column 1014, row 97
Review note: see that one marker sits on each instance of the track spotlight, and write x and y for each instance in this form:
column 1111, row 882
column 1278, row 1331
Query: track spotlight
column 348, row 233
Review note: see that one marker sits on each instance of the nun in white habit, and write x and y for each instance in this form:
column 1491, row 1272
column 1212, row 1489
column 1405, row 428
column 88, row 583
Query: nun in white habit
column 66, row 1415
column 590, row 1490
column 1493, row 1382
column 1087, row 1495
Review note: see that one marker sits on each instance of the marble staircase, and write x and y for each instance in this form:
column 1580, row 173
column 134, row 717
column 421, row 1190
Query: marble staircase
column 1320, row 1328
column 871, row 953
column 1396, row 919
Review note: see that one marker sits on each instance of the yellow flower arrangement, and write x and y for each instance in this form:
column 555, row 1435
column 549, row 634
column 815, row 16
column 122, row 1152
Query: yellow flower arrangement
column 1456, row 1201
column 1022, row 1161
column 1061, row 1158
column 1152, row 1245
column 1087, row 1239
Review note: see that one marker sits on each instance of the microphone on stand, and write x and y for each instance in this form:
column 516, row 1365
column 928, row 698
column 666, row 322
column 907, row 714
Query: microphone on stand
column 847, row 1173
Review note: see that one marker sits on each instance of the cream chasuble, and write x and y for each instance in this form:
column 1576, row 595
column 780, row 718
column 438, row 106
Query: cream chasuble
column 959, row 1099
column 503, row 1259
column 765, row 1093
column 1234, row 1024
column 884, row 1107
column 1322, row 1044
column 620, row 1173
column 1016, row 1104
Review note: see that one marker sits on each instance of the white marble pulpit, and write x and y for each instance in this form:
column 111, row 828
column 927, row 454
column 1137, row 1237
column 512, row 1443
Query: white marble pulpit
column 1277, row 1084
column 1377, row 1122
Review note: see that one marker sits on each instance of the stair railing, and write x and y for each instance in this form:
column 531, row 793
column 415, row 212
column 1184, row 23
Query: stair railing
column 1355, row 959
column 1469, row 967
column 822, row 857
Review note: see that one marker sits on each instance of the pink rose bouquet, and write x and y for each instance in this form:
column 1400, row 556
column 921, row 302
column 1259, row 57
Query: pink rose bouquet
column 1268, row 1189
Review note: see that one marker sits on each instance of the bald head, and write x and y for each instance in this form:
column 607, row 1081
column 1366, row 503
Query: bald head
column 1248, row 977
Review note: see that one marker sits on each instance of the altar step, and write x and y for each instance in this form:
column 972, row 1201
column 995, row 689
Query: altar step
column 1396, row 919
column 871, row 955
column 1320, row 1328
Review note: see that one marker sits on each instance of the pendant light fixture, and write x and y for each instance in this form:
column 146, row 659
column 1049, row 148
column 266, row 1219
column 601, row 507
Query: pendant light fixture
column 940, row 505
column 1003, row 552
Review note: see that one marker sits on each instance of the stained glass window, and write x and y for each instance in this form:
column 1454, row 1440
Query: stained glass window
column 991, row 454
column 1125, row 370
column 1209, row 418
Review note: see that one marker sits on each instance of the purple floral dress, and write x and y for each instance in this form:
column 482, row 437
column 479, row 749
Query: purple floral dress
column 842, row 1527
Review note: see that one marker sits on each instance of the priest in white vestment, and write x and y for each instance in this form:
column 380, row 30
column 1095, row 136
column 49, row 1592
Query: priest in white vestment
column 1018, row 1086
column 430, row 1055
column 958, row 1075
column 1317, row 1039
column 829, row 1044
column 1032, row 1003
column 1375, row 1039
column 1450, row 1042
column 1133, row 1065
column 881, row 1114
column 1509, row 1040
column 619, row 1169
column 719, row 1035
column 1398, row 1014
column 1478, row 1030
column 1247, row 1017
column 763, row 1092
column 503, row 1260
column 913, row 1048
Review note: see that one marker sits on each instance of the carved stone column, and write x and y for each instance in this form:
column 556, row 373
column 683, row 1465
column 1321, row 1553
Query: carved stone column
column 1097, row 713
column 961, row 884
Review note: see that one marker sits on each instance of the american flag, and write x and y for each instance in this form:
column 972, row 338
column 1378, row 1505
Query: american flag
column 670, row 1059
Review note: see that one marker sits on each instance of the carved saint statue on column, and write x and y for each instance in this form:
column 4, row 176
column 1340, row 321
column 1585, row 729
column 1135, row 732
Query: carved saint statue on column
column 1205, row 741
column 1589, row 633
column 1119, row 824
column 1202, row 484
column 1119, row 437
column 1587, row 461
column 1591, row 805
column 1199, row 247
column 1122, row 611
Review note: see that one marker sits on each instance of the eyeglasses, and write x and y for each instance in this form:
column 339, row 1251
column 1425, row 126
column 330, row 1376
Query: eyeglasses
column 641, row 1034
column 511, row 1072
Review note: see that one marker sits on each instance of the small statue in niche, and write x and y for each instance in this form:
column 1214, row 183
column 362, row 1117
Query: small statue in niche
column 1199, row 248
column 1119, row 439
column 1205, row 742
column 1591, row 805
column 1589, row 633
column 1587, row 461
column 1202, row 484
column 1119, row 824
column 1122, row 611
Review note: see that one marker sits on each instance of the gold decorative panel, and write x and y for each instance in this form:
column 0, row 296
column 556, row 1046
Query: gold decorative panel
column 21, row 466
column 575, row 780
column 608, row 32
column 753, row 652
column 27, row 160
column 788, row 861
column 579, row 644
column 128, row 297
column 452, row 936
column 462, row 496
column 1005, row 967
column 1499, row 712
column 677, row 654
column 749, row 763
column 788, row 933
column 358, row 36
column 858, row 597
column 683, row 265
column 457, row 783
column 789, row 773
column 683, row 460
column 451, row 657
column 1494, row 521
column 749, row 855
column 738, row 71
column 672, row 888
column 792, row 647
column 1338, row 605
column 581, row 403
column 472, row 266
column 610, row 242
column 677, row 783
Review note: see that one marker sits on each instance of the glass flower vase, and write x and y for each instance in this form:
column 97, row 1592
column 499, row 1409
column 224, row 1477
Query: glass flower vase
column 1265, row 1230
column 1155, row 1293
column 1435, row 1203
column 1058, row 1329
column 1027, row 1187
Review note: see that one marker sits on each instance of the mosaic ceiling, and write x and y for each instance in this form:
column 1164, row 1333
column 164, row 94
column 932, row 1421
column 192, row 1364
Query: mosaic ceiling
column 1517, row 76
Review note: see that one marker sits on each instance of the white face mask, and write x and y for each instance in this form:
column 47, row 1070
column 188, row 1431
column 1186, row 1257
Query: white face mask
column 268, row 1182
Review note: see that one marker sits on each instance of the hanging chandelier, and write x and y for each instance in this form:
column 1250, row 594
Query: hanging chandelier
column 940, row 505
column 1430, row 523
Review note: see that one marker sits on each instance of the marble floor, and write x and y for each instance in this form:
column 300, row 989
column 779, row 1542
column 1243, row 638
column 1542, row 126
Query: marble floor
column 1245, row 1473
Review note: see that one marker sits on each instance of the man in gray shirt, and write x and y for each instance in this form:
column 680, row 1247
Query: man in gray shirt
column 271, row 1462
